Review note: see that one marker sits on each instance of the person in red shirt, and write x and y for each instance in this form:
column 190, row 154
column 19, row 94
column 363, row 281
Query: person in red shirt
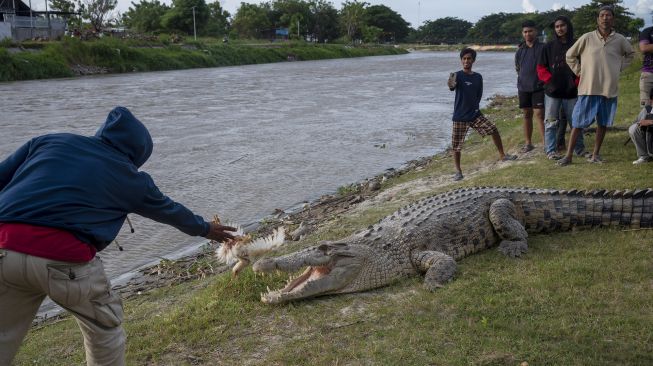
column 560, row 86
column 63, row 198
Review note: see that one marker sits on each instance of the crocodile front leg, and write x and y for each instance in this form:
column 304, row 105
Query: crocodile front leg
column 512, row 232
column 439, row 267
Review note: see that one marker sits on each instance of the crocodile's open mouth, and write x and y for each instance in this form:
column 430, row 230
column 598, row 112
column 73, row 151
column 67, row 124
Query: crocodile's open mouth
column 327, row 269
column 305, row 285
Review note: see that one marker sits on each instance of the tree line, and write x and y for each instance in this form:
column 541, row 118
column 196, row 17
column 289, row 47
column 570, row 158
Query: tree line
column 505, row 28
column 320, row 21
column 314, row 20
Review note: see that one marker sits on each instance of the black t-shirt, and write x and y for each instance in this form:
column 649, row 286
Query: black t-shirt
column 526, row 65
column 647, row 36
column 469, row 91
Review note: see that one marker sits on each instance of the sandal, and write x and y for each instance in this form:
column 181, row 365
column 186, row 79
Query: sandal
column 553, row 156
column 596, row 160
column 509, row 157
column 563, row 162
column 458, row 176
column 526, row 148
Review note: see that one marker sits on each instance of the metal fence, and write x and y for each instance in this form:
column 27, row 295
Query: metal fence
column 30, row 27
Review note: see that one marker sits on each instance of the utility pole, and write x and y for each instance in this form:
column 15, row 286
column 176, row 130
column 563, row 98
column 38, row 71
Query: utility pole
column 31, row 21
column 419, row 21
column 194, row 29
column 47, row 13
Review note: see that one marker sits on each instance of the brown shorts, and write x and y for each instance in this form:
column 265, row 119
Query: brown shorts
column 481, row 124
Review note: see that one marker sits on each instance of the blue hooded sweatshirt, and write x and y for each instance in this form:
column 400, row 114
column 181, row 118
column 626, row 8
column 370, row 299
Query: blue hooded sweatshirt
column 88, row 185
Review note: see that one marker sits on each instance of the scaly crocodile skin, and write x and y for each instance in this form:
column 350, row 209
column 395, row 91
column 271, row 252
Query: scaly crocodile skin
column 429, row 235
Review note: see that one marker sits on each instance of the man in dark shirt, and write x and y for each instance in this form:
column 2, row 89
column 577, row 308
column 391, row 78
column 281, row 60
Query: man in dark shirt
column 529, row 87
column 468, row 86
column 559, row 85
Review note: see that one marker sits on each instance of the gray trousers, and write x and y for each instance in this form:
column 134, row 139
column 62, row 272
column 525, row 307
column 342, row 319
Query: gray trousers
column 643, row 141
column 645, row 86
column 80, row 288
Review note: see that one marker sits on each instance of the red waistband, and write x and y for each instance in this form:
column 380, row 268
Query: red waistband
column 44, row 242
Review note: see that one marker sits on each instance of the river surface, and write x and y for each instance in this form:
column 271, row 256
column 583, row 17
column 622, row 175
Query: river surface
column 243, row 141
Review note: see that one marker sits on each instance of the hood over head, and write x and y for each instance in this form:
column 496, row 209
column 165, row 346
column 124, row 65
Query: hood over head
column 127, row 134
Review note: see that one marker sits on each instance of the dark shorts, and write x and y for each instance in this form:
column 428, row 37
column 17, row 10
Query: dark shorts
column 533, row 100
column 481, row 124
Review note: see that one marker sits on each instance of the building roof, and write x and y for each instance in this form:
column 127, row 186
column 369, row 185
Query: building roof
column 21, row 9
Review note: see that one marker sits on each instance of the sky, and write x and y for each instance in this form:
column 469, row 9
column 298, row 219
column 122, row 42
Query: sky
column 417, row 11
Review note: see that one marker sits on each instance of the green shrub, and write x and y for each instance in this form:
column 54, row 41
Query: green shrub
column 53, row 59
column 47, row 63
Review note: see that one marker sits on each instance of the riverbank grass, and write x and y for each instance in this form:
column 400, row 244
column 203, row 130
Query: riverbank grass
column 69, row 57
column 576, row 298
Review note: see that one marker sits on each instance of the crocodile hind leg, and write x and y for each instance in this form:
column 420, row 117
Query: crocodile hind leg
column 512, row 232
column 439, row 267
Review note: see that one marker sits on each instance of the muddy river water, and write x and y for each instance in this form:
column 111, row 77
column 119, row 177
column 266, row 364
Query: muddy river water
column 243, row 141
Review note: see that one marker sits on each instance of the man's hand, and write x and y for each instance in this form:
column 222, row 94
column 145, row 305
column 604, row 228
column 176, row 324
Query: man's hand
column 451, row 82
column 219, row 232
column 646, row 122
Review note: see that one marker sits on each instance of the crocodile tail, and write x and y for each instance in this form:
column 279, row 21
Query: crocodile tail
column 630, row 208
column 561, row 210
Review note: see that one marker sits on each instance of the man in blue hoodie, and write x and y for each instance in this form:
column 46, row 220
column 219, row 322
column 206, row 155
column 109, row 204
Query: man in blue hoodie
column 64, row 197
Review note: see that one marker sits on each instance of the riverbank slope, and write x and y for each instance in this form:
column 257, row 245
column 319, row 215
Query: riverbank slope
column 73, row 57
column 581, row 297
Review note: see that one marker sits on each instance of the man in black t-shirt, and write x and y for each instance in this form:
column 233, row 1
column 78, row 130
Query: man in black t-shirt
column 468, row 86
column 529, row 87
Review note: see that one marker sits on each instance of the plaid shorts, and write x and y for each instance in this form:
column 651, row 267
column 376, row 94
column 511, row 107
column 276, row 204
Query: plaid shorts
column 481, row 124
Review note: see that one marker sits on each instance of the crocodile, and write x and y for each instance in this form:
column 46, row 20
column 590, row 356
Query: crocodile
column 430, row 235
